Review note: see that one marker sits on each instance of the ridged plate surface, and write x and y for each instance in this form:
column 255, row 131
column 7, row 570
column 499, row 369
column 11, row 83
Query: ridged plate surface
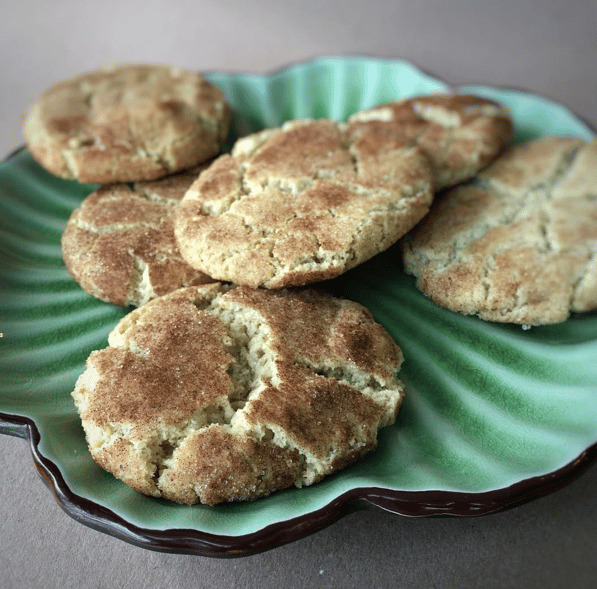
column 494, row 414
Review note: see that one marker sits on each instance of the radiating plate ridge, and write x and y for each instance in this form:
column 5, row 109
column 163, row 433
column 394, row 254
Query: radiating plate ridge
column 493, row 415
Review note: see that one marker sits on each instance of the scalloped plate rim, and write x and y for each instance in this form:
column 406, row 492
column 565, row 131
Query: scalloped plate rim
column 192, row 541
column 405, row 503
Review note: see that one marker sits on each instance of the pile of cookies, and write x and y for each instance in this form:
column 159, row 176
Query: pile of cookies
column 233, row 377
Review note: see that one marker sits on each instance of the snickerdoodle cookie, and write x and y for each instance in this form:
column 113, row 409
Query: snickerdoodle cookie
column 133, row 122
column 213, row 394
column 460, row 133
column 302, row 203
column 519, row 242
column 119, row 243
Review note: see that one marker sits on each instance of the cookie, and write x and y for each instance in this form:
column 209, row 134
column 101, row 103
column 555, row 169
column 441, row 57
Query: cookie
column 302, row 203
column 119, row 243
column 134, row 122
column 460, row 133
column 517, row 244
column 213, row 394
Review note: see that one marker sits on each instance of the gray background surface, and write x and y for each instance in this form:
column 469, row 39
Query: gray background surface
column 546, row 47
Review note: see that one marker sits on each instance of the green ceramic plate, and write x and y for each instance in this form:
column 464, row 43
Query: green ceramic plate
column 494, row 414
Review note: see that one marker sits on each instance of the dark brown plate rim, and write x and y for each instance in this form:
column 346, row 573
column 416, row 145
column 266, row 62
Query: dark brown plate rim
column 189, row 541
column 432, row 503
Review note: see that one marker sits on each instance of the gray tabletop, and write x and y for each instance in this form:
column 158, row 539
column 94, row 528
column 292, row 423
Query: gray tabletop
column 546, row 47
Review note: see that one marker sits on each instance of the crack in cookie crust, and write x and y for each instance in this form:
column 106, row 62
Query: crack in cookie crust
column 517, row 243
column 119, row 243
column 302, row 203
column 126, row 124
column 218, row 394
column 461, row 134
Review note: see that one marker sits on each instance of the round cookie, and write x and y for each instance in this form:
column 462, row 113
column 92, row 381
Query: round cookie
column 517, row 244
column 134, row 122
column 213, row 394
column 119, row 243
column 460, row 133
column 302, row 203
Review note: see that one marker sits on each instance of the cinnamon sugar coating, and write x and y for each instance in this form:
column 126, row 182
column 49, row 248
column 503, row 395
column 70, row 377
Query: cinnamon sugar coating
column 214, row 394
column 518, row 243
column 302, row 203
column 460, row 133
column 133, row 122
column 119, row 243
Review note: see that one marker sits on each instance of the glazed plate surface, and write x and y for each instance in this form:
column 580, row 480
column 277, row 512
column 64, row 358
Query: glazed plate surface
column 494, row 414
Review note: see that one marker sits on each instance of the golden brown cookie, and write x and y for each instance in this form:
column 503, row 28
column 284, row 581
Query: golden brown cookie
column 460, row 133
column 119, row 243
column 518, row 243
column 302, row 203
column 134, row 122
column 213, row 394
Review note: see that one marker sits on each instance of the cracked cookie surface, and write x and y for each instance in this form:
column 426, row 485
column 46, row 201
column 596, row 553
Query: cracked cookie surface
column 119, row 243
column 135, row 122
column 213, row 393
column 518, row 243
column 302, row 203
column 460, row 133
